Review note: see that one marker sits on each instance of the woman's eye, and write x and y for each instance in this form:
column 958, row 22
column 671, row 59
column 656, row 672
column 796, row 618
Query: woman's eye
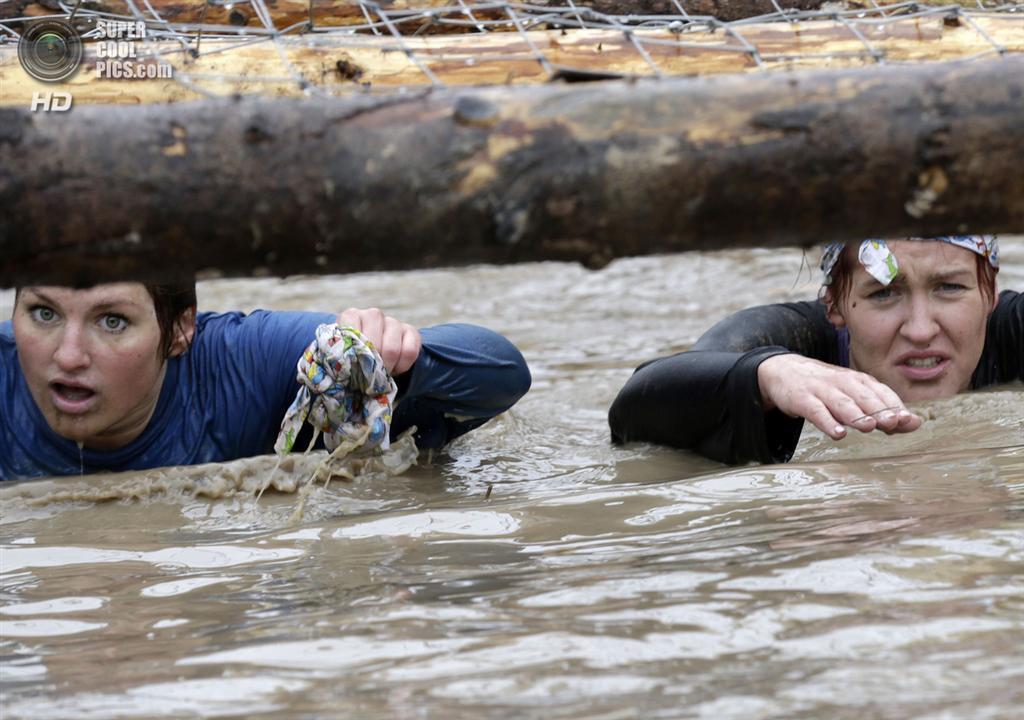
column 952, row 287
column 43, row 314
column 883, row 294
column 114, row 323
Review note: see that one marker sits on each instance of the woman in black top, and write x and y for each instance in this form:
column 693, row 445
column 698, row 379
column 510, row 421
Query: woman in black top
column 898, row 321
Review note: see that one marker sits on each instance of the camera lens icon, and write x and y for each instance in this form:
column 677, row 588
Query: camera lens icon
column 50, row 50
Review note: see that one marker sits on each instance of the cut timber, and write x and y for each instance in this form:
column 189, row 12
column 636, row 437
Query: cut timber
column 408, row 14
column 588, row 172
column 344, row 63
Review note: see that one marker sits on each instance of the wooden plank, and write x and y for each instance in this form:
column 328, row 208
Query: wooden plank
column 352, row 64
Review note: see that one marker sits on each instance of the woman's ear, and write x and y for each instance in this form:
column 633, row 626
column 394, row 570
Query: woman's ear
column 184, row 331
column 832, row 311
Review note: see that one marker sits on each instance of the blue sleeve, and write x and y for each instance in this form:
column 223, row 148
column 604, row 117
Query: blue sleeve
column 246, row 370
column 464, row 376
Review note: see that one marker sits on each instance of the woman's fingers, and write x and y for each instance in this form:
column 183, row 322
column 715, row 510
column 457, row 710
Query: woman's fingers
column 400, row 346
column 411, row 343
column 818, row 414
column 859, row 404
column 398, row 343
column 832, row 398
column 370, row 322
column 833, row 411
column 390, row 345
column 908, row 422
column 352, row 317
column 880, row 402
column 893, row 417
column 873, row 407
column 890, row 419
column 373, row 327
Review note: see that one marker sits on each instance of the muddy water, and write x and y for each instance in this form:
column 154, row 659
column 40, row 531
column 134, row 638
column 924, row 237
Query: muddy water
column 876, row 577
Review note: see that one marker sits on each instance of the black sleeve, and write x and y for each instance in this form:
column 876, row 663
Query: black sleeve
column 1002, row 360
column 708, row 399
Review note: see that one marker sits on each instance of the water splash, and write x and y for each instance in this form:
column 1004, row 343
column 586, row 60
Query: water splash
column 299, row 475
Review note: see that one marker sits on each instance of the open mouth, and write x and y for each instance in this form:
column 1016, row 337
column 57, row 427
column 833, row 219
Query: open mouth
column 71, row 398
column 928, row 362
column 924, row 368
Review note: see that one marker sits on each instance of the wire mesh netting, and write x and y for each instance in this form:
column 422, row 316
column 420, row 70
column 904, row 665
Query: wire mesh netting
column 330, row 47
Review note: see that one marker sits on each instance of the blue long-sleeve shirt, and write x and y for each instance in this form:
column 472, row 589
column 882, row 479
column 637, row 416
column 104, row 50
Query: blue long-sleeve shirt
column 225, row 397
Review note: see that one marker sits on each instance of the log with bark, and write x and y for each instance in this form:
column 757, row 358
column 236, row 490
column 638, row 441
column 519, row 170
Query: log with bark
column 586, row 172
column 343, row 64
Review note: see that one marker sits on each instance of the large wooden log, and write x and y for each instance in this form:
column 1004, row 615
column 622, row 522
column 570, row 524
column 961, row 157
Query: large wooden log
column 586, row 172
column 342, row 64
column 335, row 13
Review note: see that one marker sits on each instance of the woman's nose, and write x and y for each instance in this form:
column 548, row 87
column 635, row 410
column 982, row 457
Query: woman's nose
column 920, row 325
column 71, row 352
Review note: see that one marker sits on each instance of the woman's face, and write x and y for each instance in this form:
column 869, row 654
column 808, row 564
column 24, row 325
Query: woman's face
column 924, row 333
column 91, row 359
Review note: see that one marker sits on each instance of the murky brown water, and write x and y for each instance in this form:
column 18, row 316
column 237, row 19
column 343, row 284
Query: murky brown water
column 878, row 577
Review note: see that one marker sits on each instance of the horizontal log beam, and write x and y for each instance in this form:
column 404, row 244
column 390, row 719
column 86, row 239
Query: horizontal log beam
column 348, row 64
column 586, row 172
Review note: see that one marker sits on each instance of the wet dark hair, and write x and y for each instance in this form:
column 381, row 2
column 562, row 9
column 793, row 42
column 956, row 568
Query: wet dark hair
column 170, row 303
column 842, row 277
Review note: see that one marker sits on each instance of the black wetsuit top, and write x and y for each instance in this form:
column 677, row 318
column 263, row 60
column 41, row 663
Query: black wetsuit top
column 707, row 399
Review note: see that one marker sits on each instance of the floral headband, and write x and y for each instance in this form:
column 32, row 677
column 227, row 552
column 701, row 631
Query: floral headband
column 879, row 261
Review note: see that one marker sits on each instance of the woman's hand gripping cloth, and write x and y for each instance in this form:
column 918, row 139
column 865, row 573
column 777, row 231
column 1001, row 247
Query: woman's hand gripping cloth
column 346, row 393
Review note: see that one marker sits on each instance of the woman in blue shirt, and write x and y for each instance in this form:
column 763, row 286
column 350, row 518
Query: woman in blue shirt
column 126, row 376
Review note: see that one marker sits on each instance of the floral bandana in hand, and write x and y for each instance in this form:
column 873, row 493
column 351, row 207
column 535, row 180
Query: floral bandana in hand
column 879, row 261
column 346, row 392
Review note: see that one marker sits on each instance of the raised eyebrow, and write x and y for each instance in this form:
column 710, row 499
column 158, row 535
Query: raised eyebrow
column 42, row 296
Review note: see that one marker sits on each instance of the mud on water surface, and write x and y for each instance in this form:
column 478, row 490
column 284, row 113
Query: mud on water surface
column 532, row 569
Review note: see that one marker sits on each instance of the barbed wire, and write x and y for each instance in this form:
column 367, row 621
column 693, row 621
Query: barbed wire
column 511, row 42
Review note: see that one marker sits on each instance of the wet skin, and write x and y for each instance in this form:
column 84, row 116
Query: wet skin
column 91, row 359
column 923, row 334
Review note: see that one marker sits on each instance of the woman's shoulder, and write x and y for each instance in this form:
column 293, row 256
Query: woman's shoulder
column 799, row 326
column 1002, row 359
column 8, row 350
column 257, row 344
column 1009, row 312
column 257, row 325
column 1010, row 297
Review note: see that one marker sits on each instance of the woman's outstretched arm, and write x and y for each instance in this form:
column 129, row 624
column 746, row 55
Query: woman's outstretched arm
column 742, row 392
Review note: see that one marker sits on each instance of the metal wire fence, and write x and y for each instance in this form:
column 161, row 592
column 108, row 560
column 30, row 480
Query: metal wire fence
column 266, row 51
